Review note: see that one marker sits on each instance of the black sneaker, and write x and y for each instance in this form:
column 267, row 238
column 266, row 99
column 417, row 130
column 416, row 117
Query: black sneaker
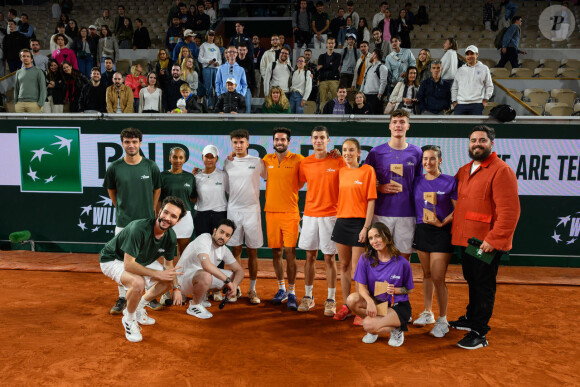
column 119, row 306
column 155, row 305
column 461, row 323
column 473, row 340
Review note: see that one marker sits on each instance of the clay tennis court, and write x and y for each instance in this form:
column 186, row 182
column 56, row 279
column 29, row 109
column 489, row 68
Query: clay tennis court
column 57, row 331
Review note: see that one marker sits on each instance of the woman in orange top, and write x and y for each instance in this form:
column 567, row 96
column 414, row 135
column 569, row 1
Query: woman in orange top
column 136, row 81
column 357, row 192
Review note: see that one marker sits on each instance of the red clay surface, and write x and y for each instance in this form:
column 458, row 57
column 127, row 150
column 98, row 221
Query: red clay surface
column 57, row 331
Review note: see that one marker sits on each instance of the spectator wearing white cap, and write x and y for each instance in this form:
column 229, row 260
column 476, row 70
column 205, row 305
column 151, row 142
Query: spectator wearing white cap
column 472, row 87
column 93, row 40
column 231, row 70
column 231, row 101
column 348, row 61
column 189, row 41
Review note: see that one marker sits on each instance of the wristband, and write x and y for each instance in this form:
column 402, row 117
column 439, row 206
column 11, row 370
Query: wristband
column 227, row 281
column 177, row 287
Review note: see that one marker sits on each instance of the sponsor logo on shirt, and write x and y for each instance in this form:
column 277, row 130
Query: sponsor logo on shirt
column 161, row 250
column 394, row 276
column 252, row 167
column 144, row 177
column 330, row 170
column 410, row 163
column 218, row 183
column 441, row 193
column 358, row 182
column 187, row 185
column 270, row 166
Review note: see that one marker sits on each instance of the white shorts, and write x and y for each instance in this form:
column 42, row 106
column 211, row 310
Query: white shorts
column 402, row 229
column 316, row 233
column 114, row 270
column 184, row 229
column 248, row 227
column 186, row 281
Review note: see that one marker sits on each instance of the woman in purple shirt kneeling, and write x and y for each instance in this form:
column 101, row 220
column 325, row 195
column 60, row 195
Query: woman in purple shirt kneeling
column 382, row 262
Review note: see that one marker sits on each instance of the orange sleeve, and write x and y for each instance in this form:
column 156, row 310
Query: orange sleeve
column 371, row 184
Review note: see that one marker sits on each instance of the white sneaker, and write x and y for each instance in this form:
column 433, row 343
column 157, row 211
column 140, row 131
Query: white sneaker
column 424, row 318
column 166, row 299
column 205, row 302
column 238, row 295
column 199, row 311
column 132, row 330
column 441, row 328
column 218, row 296
column 142, row 317
column 397, row 337
column 370, row 338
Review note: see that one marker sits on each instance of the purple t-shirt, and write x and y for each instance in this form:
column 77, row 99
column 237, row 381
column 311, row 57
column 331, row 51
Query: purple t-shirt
column 446, row 188
column 396, row 271
column 381, row 157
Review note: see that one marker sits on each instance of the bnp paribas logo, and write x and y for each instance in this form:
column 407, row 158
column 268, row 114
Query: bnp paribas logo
column 50, row 159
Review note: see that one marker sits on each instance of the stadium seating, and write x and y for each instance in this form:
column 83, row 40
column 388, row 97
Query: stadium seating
column 545, row 72
column 564, row 96
column 522, row 72
column 499, row 72
column 558, row 109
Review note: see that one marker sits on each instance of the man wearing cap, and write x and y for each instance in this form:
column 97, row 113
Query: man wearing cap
column 189, row 41
column 231, row 101
column 472, row 87
column 93, row 40
column 348, row 61
column 231, row 70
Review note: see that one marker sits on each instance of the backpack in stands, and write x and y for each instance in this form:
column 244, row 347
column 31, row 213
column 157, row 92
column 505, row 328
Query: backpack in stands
column 497, row 42
column 503, row 113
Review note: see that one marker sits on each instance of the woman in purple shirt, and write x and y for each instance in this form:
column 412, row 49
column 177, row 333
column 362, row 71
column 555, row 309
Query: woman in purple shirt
column 382, row 262
column 435, row 197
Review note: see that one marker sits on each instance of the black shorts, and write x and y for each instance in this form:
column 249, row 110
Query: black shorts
column 206, row 221
column 346, row 231
column 433, row 239
column 403, row 310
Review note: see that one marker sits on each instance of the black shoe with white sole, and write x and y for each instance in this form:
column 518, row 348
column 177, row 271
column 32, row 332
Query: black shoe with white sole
column 473, row 340
column 461, row 323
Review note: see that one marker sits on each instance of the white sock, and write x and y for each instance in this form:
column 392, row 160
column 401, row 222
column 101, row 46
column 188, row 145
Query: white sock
column 442, row 318
column 308, row 290
column 331, row 293
column 132, row 316
column 281, row 285
column 122, row 292
column 291, row 289
column 253, row 285
column 142, row 303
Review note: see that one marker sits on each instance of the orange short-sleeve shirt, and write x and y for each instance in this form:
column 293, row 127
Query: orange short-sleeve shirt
column 282, row 184
column 321, row 177
column 356, row 188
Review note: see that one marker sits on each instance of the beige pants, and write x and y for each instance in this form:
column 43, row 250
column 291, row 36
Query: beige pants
column 327, row 91
column 50, row 107
column 27, row 107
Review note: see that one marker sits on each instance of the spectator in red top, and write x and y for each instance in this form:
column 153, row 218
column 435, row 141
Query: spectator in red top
column 136, row 81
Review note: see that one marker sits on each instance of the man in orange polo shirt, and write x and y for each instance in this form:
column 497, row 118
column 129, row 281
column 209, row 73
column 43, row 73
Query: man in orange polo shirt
column 282, row 213
column 320, row 172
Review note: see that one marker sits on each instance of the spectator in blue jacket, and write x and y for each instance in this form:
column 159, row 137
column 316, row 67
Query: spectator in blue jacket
column 510, row 44
column 189, row 41
column 434, row 95
column 231, row 69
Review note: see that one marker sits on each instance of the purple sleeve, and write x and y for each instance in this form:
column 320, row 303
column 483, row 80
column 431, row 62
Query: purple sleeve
column 370, row 160
column 419, row 164
column 360, row 274
column 454, row 189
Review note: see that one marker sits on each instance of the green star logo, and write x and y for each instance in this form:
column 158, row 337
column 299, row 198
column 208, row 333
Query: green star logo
column 50, row 159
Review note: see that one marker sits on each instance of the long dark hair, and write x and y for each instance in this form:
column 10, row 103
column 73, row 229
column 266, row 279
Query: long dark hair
column 50, row 76
column 384, row 232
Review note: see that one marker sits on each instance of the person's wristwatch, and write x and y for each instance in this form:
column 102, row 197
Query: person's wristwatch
column 227, row 281
column 177, row 287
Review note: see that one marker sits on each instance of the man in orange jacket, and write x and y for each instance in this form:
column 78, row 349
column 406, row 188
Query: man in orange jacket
column 488, row 208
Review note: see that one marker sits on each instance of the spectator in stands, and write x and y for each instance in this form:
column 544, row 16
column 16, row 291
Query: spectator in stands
column 74, row 82
column 348, row 61
column 472, row 87
column 183, row 54
column 119, row 96
column 72, row 29
column 125, row 34
column 422, row 18
column 403, row 28
column 163, row 67
column 107, row 75
column 510, row 44
column 387, row 26
column 310, row 66
column 449, row 61
column 200, row 22
column 489, row 16
column 375, row 82
column 60, row 30
column 362, row 64
column 398, row 61
column 231, row 69
column 282, row 39
column 210, row 59
column 279, row 73
column 380, row 15
column 55, row 89
column 82, row 48
column 506, row 11
column 174, row 34
column 302, row 26
column 350, row 28
column 320, row 25
column 173, row 11
column 404, row 96
column 136, row 81
column 119, row 20
column 362, row 32
column 63, row 20
column 2, row 60
column 219, row 41
column 104, row 20
column 188, row 42
column 13, row 15
column 350, row 12
column 108, row 47
column 3, row 22
column 62, row 53
column 434, row 95
column 240, row 37
column 189, row 74
column 29, row 86
column 328, row 72
column 209, row 11
column 339, row 105
column 11, row 46
column 276, row 102
column 183, row 16
column 24, row 28
column 56, row 10
column 38, row 59
column 360, row 105
column 410, row 15
column 151, row 97
column 378, row 42
column 270, row 56
column 172, row 91
column 188, row 101
column 247, row 63
column 231, row 101
column 424, row 64
column 93, row 40
column 338, row 27
column 93, row 97
column 300, row 87
column 141, row 39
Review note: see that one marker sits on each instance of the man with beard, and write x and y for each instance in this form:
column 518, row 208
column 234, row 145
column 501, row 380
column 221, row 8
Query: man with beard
column 134, row 185
column 488, row 208
column 40, row 61
column 171, row 92
column 282, row 213
column 93, row 97
column 119, row 96
column 200, row 261
column 271, row 55
column 126, row 257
